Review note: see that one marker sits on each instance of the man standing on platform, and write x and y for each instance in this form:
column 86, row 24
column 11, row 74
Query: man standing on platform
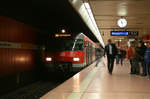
column 111, row 51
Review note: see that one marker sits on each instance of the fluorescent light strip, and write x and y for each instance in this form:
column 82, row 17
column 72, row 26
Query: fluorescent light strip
column 84, row 9
column 87, row 6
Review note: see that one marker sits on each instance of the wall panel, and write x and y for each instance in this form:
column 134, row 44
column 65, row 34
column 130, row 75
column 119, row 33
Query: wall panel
column 17, row 51
column 14, row 31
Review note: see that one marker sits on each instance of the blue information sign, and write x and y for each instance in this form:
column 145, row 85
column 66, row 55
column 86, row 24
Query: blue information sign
column 119, row 33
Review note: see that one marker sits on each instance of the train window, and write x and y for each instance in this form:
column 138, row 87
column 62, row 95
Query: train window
column 78, row 45
column 65, row 45
column 86, row 44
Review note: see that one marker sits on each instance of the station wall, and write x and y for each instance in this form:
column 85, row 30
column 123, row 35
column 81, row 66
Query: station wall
column 17, row 53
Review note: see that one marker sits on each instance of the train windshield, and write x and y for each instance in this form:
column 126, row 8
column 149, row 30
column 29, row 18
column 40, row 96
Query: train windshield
column 66, row 45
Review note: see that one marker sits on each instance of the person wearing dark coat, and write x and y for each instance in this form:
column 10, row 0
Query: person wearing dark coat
column 110, row 51
column 141, row 52
column 135, row 61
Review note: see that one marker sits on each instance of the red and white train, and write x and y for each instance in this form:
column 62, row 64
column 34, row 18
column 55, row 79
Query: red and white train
column 69, row 54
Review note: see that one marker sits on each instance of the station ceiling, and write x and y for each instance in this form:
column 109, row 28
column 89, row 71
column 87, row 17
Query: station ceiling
column 107, row 12
column 48, row 16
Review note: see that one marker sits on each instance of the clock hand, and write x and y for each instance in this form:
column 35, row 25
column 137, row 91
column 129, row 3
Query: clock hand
column 121, row 22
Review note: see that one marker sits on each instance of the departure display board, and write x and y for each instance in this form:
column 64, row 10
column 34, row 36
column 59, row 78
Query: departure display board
column 133, row 33
column 124, row 33
column 119, row 33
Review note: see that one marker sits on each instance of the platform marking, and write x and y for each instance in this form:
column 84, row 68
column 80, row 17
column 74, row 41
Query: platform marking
column 84, row 84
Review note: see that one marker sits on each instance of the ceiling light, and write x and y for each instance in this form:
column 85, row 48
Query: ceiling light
column 63, row 30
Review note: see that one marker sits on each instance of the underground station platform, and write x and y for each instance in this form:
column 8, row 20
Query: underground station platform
column 94, row 82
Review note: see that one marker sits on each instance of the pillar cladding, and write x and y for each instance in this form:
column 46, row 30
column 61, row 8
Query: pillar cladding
column 17, row 46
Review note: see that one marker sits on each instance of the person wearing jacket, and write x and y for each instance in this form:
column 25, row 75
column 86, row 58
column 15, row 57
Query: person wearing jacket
column 141, row 51
column 129, row 56
column 135, row 61
column 147, row 58
column 110, row 51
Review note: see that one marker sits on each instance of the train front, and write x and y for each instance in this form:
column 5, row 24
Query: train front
column 64, row 54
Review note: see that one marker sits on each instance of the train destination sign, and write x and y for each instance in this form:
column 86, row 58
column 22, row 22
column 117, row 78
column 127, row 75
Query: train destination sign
column 62, row 35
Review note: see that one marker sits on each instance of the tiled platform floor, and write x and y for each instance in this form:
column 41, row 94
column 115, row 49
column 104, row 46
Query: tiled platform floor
column 95, row 83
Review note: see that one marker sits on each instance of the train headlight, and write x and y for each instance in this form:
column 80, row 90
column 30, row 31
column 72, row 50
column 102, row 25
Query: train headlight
column 48, row 59
column 76, row 59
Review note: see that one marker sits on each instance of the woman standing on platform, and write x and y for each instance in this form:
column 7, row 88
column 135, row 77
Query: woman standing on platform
column 129, row 55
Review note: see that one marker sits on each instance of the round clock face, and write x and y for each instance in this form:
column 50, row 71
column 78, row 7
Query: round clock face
column 122, row 23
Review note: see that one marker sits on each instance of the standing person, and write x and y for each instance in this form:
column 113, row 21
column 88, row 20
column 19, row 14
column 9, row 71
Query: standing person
column 119, row 56
column 129, row 55
column 141, row 51
column 136, row 60
column 111, row 51
column 123, row 55
column 147, row 59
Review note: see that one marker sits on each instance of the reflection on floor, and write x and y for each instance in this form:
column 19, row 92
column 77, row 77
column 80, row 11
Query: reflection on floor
column 96, row 83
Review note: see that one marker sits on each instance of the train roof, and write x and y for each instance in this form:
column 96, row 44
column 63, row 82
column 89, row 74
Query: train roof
column 80, row 36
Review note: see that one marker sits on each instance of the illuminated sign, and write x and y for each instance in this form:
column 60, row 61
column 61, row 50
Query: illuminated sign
column 124, row 33
column 62, row 35
column 119, row 33
column 133, row 33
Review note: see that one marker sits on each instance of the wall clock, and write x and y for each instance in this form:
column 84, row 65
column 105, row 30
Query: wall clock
column 122, row 22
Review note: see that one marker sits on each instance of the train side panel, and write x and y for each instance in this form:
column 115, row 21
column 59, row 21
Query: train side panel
column 89, row 51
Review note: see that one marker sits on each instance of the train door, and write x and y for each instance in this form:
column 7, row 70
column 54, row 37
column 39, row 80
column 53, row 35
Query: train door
column 86, row 52
column 90, row 56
